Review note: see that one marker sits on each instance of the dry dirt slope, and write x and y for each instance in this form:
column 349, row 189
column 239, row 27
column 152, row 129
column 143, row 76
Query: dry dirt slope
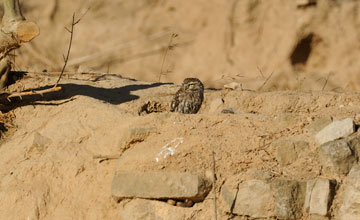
column 217, row 41
column 48, row 170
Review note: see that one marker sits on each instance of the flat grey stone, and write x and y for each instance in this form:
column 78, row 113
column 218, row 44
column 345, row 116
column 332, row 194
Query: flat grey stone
column 260, row 174
column 289, row 198
column 354, row 144
column 254, row 199
column 319, row 124
column 285, row 120
column 228, row 195
column 338, row 154
column 335, row 130
column 285, row 151
column 232, row 85
column 350, row 207
column 301, row 146
column 319, row 195
column 159, row 185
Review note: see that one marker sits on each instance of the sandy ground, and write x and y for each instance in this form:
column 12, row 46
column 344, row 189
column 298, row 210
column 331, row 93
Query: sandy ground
column 48, row 166
column 48, row 144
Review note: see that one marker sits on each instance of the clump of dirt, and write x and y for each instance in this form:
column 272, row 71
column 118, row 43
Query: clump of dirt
column 6, row 124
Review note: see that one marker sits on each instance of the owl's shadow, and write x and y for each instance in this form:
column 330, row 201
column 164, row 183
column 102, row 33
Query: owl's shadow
column 114, row 96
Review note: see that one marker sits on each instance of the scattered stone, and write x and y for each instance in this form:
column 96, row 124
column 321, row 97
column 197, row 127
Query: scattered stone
column 335, row 130
column 301, row 146
column 260, row 174
column 140, row 209
column 289, row 198
column 171, row 202
column 319, row 124
column 319, row 195
column 354, row 144
column 338, row 154
column 160, row 185
column 285, row 151
column 253, row 198
column 350, row 207
column 180, row 204
column 228, row 195
column 188, row 203
column 232, row 85
column 286, row 120
column 228, row 111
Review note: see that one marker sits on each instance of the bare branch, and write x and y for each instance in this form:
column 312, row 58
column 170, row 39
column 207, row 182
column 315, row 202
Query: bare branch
column 67, row 30
column 267, row 79
column 169, row 47
column 83, row 15
column 38, row 92
column 260, row 71
column 326, row 81
column 68, row 51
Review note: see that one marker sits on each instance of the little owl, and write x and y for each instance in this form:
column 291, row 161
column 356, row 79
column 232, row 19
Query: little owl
column 189, row 97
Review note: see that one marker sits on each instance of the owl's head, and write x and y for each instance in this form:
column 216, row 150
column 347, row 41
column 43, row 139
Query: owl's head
column 192, row 84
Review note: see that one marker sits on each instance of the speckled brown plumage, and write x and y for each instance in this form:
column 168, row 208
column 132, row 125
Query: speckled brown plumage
column 189, row 97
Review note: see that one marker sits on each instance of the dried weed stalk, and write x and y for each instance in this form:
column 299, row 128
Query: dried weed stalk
column 266, row 80
column 170, row 46
column 55, row 87
column 214, row 184
column 71, row 31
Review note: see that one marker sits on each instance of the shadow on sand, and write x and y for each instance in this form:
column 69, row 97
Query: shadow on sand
column 110, row 95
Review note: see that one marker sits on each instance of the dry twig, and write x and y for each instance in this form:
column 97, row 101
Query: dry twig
column 38, row 92
column 267, row 79
column 169, row 47
column 214, row 185
column 73, row 23
column 326, row 81
column 106, row 157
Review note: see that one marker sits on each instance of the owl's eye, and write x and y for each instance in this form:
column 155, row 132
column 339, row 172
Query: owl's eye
column 191, row 86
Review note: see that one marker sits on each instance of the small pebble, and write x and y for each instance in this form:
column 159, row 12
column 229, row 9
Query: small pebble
column 188, row 203
column 232, row 85
column 228, row 111
column 171, row 202
column 180, row 204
